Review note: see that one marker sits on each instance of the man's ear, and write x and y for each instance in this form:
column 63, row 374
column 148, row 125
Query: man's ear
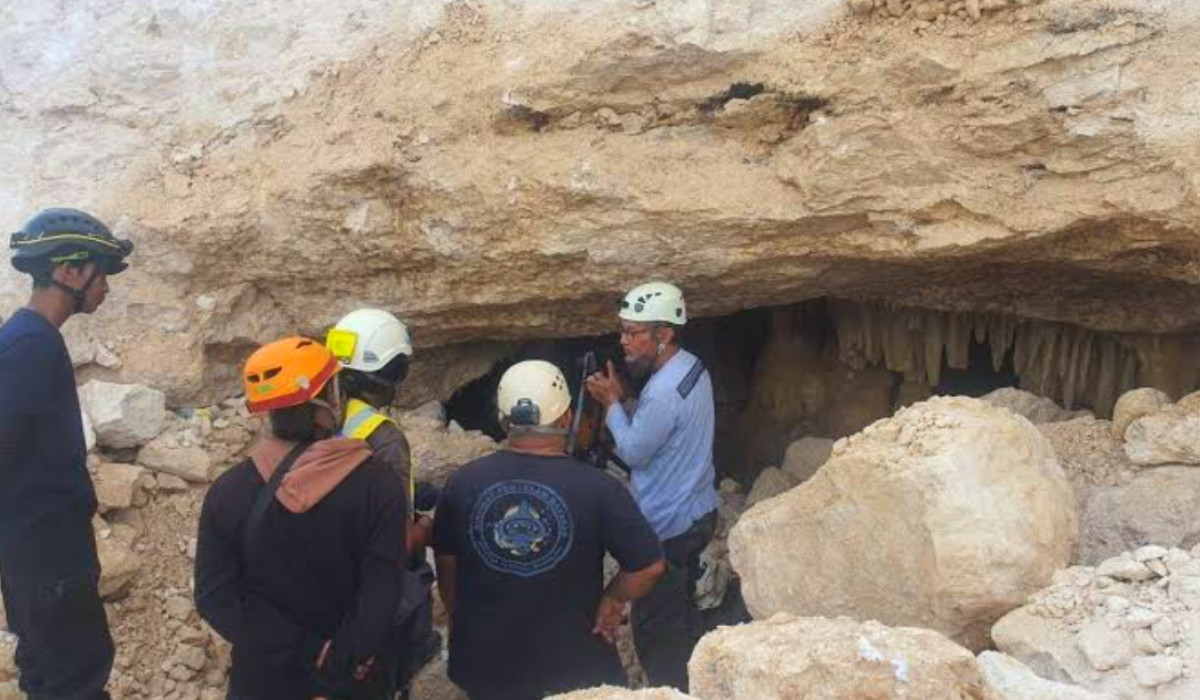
column 73, row 275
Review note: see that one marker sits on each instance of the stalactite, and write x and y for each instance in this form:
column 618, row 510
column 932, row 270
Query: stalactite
column 1070, row 364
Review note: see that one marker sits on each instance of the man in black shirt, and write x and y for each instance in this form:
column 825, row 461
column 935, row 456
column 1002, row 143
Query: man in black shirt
column 300, row 551
column 520, row 538
column 48, row 565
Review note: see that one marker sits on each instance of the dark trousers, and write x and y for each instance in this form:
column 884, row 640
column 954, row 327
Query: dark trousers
column 666, row 622
column 65, row 651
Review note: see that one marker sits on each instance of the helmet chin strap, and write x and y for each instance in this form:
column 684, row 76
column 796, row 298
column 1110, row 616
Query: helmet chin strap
column 78, row 295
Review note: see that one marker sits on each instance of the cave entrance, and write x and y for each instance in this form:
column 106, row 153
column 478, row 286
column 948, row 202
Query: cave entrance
column 830, row 367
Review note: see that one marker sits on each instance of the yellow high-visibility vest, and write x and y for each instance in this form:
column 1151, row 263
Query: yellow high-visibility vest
column 361, row 421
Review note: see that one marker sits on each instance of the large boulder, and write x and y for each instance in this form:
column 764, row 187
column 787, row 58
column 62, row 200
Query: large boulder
column 1171, row 436
column 1038, row 409
column 1009, row 679
column 805, row 456
column 1160, row 506
column 1128, row 628
column 1133, row 405
column 814, row 658
column 945, row 516
column 609, row 692
column 123, row 415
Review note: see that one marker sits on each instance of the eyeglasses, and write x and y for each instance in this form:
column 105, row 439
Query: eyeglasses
column 624, row 332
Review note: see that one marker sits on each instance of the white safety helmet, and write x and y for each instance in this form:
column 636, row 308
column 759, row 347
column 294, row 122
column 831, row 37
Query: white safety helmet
column 654, row 302
column 533, row 393
column 368, row 339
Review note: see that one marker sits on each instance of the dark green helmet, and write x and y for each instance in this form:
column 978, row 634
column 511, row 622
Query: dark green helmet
column 57, row 236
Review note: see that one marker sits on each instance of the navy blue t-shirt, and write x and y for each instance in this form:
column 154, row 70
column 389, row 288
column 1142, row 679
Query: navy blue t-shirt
column 529, row 534
column 46, row 495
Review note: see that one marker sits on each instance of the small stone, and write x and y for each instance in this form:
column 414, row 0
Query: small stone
column 1141, row 617
column 1165, row 632
column 1116, row 604
column 1104, row 648
column 1150, row 551
column 1153, row 671
column 1145, row 644
column 1124, row 569
column 1158, row 567
column 178, row 607
column 191, row 657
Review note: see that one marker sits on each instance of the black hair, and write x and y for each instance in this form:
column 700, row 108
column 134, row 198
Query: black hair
column 359, row 385
column 296, row 423
column 299, row 423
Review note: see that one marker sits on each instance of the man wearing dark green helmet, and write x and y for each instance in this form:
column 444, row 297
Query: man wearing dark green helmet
column 49, row 570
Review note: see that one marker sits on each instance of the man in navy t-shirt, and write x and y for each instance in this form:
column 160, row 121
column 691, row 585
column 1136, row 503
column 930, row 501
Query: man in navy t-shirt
column 48, row 565
column 520, row 538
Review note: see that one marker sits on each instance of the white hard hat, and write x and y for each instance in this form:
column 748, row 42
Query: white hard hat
column 367, row 339
column 654, row 302
column 535, row 391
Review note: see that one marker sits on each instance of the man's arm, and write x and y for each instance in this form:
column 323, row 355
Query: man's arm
column 639, row 439
column 632, row 542
column 361, row 635
column 447, row 573
column 445, row 547
column 224, row 602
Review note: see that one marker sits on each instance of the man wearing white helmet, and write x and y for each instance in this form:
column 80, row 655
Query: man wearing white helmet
column 667, row 441
column 374, row 349
column 520, row 538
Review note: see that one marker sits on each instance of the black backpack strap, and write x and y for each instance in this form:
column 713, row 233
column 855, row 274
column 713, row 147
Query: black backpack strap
column 266, row 495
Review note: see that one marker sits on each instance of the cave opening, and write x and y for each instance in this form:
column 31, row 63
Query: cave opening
column 829, row 367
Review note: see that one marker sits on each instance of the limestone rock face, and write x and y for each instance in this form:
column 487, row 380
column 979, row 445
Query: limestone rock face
column 1010, row 679
column 1160, row 506
column 1127, row 628
column 885, row 530
column 1171, row 436
column 279, row 163
column 1133, row 405
column 123, row 415
column 813, row 658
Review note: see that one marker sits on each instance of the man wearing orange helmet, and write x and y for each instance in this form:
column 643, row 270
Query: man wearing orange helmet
column 301, row 547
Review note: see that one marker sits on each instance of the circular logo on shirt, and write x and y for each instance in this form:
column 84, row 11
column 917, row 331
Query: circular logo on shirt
column 521, row 527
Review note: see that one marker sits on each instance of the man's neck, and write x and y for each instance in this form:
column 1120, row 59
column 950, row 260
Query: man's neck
column 51, row 304
column 540, row 445
column 665, row 356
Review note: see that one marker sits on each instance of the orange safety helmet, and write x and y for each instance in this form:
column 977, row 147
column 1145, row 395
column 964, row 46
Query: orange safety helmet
column 287, row 373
